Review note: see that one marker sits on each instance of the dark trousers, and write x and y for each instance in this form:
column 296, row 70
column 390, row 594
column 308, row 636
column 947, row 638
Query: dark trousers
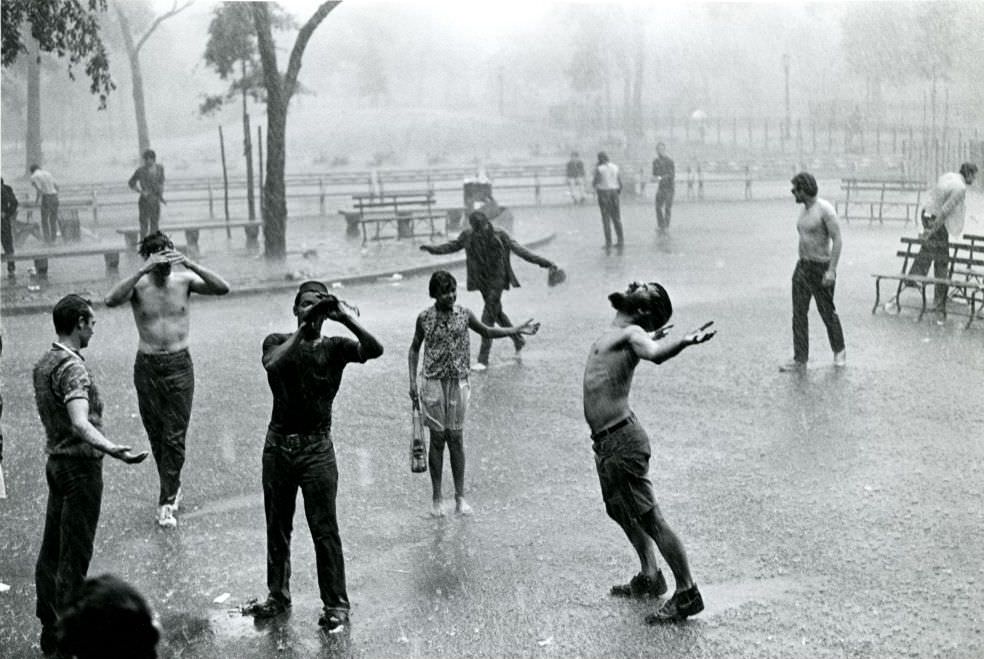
column 610, row 214
column 150, row 215
column 75, row 487
column 664, row 205
column 165, row 386
column 7, row 239
column 808, row 283
column 306, row 462
column 935, row 251
column 492, row 314
column 49, row 217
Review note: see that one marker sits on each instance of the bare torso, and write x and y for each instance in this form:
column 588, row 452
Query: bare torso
column 161, row 312
column 608, row 379
column 814, row 236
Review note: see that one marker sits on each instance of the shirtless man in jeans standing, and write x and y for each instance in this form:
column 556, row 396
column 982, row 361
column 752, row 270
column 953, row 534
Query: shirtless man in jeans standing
column 163, row 373
column 622, row 447
column 816, row 272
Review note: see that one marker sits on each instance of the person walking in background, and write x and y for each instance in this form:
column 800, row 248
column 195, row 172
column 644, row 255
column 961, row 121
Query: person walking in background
column 816, row 272
column 163, row 373
column 664, row 171
column 443, row 331
column 942, row 218
column 487, row 250
column 71, row 411
column 148, row 180
column 304, row 370
column 9, row 209
column 575, row 178
column 47, row 197
column 608, row 186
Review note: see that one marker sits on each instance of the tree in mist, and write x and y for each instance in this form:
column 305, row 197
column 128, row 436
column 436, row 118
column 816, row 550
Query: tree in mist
column 372, row 77
column 279, row 90
column 67, row 28
column 127, row 14
column 231, row 51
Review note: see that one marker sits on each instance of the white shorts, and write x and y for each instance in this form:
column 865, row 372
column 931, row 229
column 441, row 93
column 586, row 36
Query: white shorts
column 444, row 403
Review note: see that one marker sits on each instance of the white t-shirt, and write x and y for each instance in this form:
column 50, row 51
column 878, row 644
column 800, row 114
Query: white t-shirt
column 947, row 201
column 607, row 176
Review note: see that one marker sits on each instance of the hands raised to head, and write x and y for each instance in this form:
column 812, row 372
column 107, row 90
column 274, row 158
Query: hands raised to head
column 701, row 334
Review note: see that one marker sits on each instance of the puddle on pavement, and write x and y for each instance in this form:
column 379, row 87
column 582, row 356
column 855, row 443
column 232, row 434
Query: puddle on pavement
column 227, row 505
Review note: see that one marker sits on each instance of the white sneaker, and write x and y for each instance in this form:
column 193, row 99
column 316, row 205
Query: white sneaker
column 840, row 359
column 478, row 367
column 165, row 517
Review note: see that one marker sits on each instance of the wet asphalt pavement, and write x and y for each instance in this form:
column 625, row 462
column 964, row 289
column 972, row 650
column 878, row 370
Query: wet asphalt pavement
column 836, row 513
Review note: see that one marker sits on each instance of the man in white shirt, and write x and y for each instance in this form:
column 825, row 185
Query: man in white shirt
column 608, row 185
column 943, row 217
column 47, row 197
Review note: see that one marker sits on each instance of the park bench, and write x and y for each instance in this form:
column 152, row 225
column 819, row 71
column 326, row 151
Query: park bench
column 131, row 237
column 879, row 196
column 965, row 276
column 110, row 254
column 400, row 209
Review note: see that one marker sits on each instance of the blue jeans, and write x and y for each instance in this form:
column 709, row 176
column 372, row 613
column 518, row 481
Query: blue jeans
column 165, row 386
column 808, row 283
column 306, row 462
column 74, row 497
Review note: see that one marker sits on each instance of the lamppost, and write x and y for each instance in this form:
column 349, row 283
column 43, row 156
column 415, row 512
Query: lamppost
column 788, row 124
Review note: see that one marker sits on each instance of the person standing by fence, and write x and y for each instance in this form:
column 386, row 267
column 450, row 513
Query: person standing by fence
column 608, row 186
column 47, row 198
column 575, row 178
column 664, row 171
column 9, row 215
column 148, row 180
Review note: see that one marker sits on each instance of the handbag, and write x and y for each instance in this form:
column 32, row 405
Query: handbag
column 418, row 446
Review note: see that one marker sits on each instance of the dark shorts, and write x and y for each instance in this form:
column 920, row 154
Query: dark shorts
column 622, row 460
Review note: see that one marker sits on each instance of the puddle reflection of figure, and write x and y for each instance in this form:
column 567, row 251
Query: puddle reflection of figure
column 163, row 372
column 304, row 371
column 443, row 330
column 816, row 272
column 71, row 410
column 489, row 269
column 109, row 620
column 622, row 448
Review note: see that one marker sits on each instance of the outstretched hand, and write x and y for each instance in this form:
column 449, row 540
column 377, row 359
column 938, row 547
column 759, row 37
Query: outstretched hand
column 529, row 328
column 701, row 334
column 125, row 454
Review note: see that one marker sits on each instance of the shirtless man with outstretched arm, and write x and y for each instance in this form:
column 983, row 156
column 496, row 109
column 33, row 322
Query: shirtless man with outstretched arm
column 622, row 448
column 163, row 373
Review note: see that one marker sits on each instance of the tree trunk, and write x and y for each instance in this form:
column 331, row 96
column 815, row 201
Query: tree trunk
column 248, row 152
column 33, row 138
column 274, row 192
column 136, row 77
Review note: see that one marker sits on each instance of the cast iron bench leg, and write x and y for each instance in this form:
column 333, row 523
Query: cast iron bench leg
column 191, row 235
column 41, row 268
column 877, row 294
column 252, row 238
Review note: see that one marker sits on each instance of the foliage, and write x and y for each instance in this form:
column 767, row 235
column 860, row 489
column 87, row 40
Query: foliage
column 66, row 28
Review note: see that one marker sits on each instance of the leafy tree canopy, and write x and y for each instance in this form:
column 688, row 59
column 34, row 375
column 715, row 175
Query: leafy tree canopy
column 67, row 28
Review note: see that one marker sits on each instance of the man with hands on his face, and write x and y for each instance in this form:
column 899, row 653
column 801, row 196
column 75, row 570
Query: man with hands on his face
column 163, row 373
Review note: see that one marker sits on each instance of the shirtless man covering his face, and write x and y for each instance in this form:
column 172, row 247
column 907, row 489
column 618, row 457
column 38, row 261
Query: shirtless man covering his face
column 163, row 373
column 622, row 447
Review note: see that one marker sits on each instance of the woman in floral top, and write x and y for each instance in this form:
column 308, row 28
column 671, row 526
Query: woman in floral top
column 443, row 329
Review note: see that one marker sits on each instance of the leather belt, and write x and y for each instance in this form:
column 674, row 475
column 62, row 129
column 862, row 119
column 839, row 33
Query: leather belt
column 601, row 434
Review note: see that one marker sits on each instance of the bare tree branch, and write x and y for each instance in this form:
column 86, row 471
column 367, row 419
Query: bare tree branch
column 174, row 11
column 294, row 65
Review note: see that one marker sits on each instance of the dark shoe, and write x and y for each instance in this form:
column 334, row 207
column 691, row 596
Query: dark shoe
column 682, row 605
column 271, row 608
column 334, row 622
column 641, row 586
column 49, row 640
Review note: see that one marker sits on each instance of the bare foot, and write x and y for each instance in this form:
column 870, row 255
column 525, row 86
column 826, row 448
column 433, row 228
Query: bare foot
column 437, row 510
column 462, row 507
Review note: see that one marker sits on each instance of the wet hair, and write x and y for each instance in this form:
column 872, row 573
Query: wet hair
column 310, row 286
column 806, row 184
column 67, row 312
column 653, row 303
column 968, row 169
column 441, row 282
column 109, row 620
column 477, row 216
column 149, row 153
column 33, row 168
column 602, row 157
column 153, row 243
